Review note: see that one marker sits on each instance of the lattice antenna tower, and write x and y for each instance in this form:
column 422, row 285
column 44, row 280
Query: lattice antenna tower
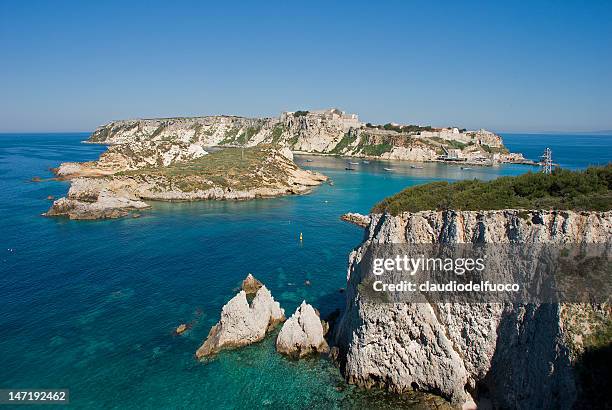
column 547, row 164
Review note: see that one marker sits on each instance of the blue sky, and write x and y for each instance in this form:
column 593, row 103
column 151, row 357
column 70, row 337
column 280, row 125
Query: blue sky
column 506, row 66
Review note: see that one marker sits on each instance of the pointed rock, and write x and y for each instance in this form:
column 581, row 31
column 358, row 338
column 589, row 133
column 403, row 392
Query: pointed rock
column 251, row 285
column 302, row 334
column 242, row 324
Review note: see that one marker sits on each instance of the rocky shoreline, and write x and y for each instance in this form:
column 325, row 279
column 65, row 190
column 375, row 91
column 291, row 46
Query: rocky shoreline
column 124, row 177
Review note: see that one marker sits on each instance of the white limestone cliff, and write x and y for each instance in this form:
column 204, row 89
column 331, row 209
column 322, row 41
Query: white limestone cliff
column 520, row 354
column 242, row 323
column 302, row 334
column 321, row 132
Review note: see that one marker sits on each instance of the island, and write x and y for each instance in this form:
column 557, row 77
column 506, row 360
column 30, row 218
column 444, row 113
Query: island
column 321, row 132
column 228, row 157
column 130, row 173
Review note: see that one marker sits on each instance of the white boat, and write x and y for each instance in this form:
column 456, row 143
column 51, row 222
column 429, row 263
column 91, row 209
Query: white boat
column 388, row 169
column 354, row 163
column 415, row 167
column 365, row 162
column 465, row 168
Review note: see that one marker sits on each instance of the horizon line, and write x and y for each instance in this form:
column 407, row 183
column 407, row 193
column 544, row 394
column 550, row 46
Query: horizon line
column 545, row 132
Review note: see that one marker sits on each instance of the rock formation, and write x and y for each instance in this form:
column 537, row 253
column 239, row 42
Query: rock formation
column 123, row 177
column 520, row 354
column 242, row 323
column 302, row 334
column 250, row 285
column 357, row 219
column 104, row 206
column 321, row 132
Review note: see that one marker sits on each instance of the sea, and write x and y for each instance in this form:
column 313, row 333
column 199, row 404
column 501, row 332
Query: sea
column 91, row 306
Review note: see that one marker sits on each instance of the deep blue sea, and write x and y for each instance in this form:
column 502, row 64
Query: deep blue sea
column 92, row 305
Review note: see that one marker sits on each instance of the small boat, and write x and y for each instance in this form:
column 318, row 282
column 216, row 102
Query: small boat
column 388, row 169
column 354, row 163
column 465, row 168
column 308, row 160
column 365, row 162
column 415, row 167
column 349, row 169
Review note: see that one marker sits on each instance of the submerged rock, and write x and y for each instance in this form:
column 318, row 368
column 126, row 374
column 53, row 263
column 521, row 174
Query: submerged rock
column 251, row 285
column 302, row 334
column 242, row 323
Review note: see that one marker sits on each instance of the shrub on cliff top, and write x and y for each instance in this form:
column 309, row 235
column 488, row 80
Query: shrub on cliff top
column 564, row 190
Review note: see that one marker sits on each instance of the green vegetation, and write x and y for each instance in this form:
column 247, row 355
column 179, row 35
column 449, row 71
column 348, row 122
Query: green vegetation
column 277, row 133
column 247, row 135
column 400, row 128
column 237, row 168
column 347, row 139
column 457, row 144
column 368, row 148
column 234, row 136
column 300, row 113
column 451, row 143
column 563, row 190
column 230, row 136
column 376, row 149
column 602, row 336
column 494, row 150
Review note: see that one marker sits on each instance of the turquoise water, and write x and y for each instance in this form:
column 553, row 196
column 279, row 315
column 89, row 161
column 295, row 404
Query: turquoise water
column 91, row 306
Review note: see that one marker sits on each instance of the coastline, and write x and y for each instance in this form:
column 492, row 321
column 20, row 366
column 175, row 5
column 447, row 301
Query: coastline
column 183, row 248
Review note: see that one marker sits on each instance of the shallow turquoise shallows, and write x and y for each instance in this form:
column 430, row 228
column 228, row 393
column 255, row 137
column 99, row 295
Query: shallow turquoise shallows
column 91, row 306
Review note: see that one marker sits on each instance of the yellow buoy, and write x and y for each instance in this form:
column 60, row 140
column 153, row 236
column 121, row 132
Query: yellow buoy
column 300, row 236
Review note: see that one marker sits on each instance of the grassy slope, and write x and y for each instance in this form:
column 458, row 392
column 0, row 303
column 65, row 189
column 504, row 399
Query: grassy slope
column 227, row 168
column 586, row 190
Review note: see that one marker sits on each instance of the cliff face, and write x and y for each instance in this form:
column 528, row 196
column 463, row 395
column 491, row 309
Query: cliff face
column 518, row 356
column 322, row 132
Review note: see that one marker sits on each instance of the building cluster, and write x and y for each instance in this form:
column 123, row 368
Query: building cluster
column 332, row 116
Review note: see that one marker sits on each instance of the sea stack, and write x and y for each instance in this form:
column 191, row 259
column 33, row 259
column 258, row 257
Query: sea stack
column 242, row 323
column 302, row 334
column 251, row 285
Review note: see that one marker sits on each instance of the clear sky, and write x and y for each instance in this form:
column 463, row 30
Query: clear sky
column 502, row 65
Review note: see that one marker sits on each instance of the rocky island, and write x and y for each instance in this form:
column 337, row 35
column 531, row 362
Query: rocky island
column 322, row 132
column 253, row 313
column 504, row 355
column 129, row 173
column 229, row 157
